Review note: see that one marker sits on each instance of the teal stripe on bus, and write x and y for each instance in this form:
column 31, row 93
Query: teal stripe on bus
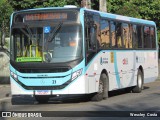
column 116, row 69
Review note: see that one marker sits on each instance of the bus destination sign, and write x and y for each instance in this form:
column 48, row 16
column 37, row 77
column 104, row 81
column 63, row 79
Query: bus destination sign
column 56, row 15
column 45, row 16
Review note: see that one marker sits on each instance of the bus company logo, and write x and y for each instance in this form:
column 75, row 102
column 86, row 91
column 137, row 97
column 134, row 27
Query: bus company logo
column 103, row 60
column 125, row 61
column 140, row 59
column 42, row 75
column 6, row 114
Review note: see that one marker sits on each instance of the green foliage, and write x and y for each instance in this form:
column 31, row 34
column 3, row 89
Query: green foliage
column 51, row 3
column 28, row 4
column 129, row 9
column 149, row 9
column 158, row 32
column 24, row 4
column 73, row 2
column 5, row 12
column 145, row 9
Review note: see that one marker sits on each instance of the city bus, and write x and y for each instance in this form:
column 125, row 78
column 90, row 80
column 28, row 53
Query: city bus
column 61, row 51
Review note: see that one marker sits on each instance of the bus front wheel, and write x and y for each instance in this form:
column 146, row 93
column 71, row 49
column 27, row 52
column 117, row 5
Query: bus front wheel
column 102, row 90
column 138, row 88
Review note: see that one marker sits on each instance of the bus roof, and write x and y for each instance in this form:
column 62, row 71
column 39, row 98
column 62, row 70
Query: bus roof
column 102, row 14
column 121, row 17
column 46, row 8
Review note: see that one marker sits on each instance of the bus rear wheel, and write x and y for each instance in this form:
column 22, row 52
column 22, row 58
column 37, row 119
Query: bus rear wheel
column 102, row 90
column 42, row 99
column 138, row 88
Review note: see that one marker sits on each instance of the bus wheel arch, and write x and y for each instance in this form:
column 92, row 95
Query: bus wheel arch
column 103, row 87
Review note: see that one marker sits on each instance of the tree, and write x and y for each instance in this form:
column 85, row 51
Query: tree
column 145, row 9
column 129, row 9
column 28, row 4
column 150, row 9
column 5, row 11
column 103, row 6
column 86, row 4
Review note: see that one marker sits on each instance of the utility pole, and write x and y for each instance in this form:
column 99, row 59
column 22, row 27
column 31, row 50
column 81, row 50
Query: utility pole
column 103, row 5
column 86, row 4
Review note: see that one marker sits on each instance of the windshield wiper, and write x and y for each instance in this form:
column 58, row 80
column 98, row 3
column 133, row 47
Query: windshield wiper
column 54, row 32
column 25, row 32
column 29, row 34
column 28, row 30
column 50, row 39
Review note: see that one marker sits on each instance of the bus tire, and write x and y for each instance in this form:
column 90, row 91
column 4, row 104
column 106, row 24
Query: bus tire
column 138, row 88
column 102, row 90
column 42, row 99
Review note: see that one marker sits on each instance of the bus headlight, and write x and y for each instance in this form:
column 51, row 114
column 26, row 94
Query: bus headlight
column 76, row 74
column 14, row 76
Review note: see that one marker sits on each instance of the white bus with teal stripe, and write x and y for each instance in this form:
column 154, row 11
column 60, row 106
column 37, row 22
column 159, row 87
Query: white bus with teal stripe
column 76, row 51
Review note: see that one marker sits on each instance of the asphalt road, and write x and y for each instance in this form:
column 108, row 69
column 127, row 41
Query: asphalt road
column 148, row 100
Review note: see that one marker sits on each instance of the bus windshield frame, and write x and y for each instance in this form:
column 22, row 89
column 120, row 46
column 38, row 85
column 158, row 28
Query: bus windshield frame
column 46, row 40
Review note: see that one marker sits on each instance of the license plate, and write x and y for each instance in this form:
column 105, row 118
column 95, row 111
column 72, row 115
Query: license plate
column 43, row 92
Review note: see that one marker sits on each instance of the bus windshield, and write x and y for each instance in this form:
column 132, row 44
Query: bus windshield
column 51, row 43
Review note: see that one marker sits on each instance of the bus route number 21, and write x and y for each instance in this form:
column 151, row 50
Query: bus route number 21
column 53, row 81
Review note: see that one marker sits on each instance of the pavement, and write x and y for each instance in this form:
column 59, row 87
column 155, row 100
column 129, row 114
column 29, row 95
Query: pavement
column 4, row 67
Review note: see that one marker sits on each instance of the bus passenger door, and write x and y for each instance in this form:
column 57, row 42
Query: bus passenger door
column 91, row 33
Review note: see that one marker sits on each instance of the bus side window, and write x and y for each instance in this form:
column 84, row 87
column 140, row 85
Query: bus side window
column 113, row 36
column 139, row 36
column 119, row 40
column 92, row 39
column 90, row 36
column 134, row 36
column 105, row 38
column 152, row 35
column 130, row 36
column 127, row 35
column 90, row 42
column 146, row 36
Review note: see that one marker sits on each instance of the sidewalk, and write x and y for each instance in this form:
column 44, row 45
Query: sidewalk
column 4, row 67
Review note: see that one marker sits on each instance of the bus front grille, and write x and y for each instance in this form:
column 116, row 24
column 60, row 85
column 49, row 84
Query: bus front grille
column 52, row 70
